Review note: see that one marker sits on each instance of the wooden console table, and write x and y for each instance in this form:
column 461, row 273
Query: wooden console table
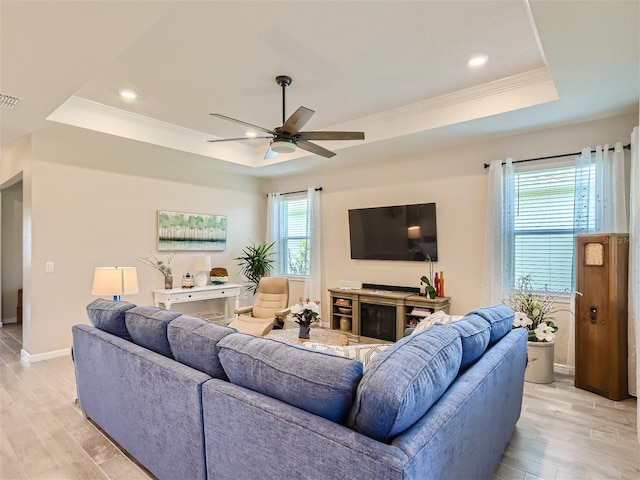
column 408, row 307
column 228, row 291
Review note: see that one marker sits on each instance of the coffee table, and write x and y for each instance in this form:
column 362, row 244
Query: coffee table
column 317, row 335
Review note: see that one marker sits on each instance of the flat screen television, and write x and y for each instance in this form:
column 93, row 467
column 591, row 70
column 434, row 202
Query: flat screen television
column 401, row 232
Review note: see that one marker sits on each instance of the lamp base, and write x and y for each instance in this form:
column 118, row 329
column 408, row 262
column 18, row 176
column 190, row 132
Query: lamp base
column 201, row 279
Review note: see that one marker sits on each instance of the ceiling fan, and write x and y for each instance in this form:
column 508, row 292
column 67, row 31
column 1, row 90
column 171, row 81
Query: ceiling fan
column 286, row 138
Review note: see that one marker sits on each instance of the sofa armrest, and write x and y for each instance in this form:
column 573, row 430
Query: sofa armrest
column 243, row 309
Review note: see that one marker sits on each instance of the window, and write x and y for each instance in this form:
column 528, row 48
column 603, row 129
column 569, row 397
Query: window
column 294, row 239
column 545, row 220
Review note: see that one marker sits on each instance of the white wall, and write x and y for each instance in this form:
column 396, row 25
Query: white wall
column 80, row 217
column 11, row 250
column 455, row 179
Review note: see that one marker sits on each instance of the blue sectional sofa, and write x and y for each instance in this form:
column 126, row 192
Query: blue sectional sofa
column 193, row 400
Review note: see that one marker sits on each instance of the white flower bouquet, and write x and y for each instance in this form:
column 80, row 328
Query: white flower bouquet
column 306, row 312
column 533, row 311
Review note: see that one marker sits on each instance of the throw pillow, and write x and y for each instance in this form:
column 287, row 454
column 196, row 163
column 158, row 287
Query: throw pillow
column 108, row 316
column 364, row 353
column 320, row 383
column 401, row 383
column 193, row 341
column 148, row 328
column 438, row 317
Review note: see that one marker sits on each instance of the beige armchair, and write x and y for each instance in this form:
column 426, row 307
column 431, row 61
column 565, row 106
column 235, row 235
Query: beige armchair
column 269, row 307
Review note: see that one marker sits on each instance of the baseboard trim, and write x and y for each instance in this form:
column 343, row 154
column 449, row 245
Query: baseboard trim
column 6, row 321
column 28, row 358
column 564, row 369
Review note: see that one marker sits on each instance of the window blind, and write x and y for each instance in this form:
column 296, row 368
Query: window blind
column 544, row 224
column 294, row 256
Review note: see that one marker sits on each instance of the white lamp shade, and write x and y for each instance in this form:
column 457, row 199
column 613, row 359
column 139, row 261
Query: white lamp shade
column 115, row 281
column 202, row 263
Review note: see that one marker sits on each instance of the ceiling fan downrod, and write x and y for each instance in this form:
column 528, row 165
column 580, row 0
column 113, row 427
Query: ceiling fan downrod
column 284, row 81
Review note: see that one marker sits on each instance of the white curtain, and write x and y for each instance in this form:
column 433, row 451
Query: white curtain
column 274, row 228
column 498, row 237
column 634, row 269
column 312, row 284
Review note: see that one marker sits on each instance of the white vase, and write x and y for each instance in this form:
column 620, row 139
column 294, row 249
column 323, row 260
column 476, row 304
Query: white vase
column 540, row 365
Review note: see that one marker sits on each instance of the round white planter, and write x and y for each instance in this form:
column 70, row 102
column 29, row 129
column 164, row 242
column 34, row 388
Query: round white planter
column 540, row 366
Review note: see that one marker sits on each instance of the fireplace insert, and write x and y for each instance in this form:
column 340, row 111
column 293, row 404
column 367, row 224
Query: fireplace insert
column 378, row 321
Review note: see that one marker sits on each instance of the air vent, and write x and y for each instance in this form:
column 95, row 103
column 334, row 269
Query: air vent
column 7, row 101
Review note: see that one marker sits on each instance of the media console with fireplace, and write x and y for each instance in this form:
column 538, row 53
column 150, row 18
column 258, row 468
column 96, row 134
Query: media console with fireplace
column 382, row 311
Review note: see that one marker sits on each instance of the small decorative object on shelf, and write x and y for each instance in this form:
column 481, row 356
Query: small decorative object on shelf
column 219, row 275
column 441, row 293
column 305, row 313
column 162, row 267
column 429, row 291
column 187, row 281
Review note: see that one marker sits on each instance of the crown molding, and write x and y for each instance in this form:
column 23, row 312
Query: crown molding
column 492, row 98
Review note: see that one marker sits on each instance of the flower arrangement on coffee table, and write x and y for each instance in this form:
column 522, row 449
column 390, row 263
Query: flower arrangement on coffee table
column 305, row 314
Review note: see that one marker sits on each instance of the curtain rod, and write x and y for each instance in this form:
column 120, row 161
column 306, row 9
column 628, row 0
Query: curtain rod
column 611, row 149
column 318, row 189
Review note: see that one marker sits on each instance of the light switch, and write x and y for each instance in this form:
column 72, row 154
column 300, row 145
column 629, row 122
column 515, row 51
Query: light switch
column 48, row 267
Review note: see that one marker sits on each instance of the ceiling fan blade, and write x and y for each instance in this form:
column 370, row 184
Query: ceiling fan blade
column 270, row 154
column 313, row 148
column 234, row 139
column 297, row 120
column 331, row 135
column 224, row 117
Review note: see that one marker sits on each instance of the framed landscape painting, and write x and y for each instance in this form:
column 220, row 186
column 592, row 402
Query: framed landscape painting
column 179, row 231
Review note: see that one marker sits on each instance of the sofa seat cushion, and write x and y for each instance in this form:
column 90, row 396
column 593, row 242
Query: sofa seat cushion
column 193, row 341
column 148, row 328
column 108, row 316
column 500, row 317
column 474, row 332
column 320, row 383
column 401, row 383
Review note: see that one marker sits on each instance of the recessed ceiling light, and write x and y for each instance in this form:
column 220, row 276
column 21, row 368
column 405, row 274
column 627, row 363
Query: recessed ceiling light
column 477, row 61
column 251, row 134
column 128, row 94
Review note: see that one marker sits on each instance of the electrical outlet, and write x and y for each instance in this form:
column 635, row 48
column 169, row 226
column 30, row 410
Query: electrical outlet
column 246, row 295
column 48, row 267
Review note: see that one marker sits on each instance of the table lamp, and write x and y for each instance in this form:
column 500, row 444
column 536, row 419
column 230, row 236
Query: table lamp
column 202, row 266
column 115, row 281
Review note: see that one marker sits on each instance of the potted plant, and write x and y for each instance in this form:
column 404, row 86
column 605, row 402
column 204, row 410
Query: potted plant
column 162, row 267
column 256, row 262
column 306, row 313
column 534, row 312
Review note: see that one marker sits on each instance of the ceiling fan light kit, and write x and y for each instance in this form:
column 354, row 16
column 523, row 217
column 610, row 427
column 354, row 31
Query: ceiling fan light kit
column 283, row 145
column 286, row 138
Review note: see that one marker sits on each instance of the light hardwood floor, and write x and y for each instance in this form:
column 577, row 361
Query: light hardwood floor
column 563, row 432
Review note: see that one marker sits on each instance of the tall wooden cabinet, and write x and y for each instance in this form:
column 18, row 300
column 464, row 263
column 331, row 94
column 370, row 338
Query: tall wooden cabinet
column 601, row 314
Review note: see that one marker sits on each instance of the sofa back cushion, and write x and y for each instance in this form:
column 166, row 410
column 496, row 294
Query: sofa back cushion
column 401, row 383
column 108, row 316
column 317, row 382
column 474, row 333
column 500, row 317
column 193, row 341
column 148, row 328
